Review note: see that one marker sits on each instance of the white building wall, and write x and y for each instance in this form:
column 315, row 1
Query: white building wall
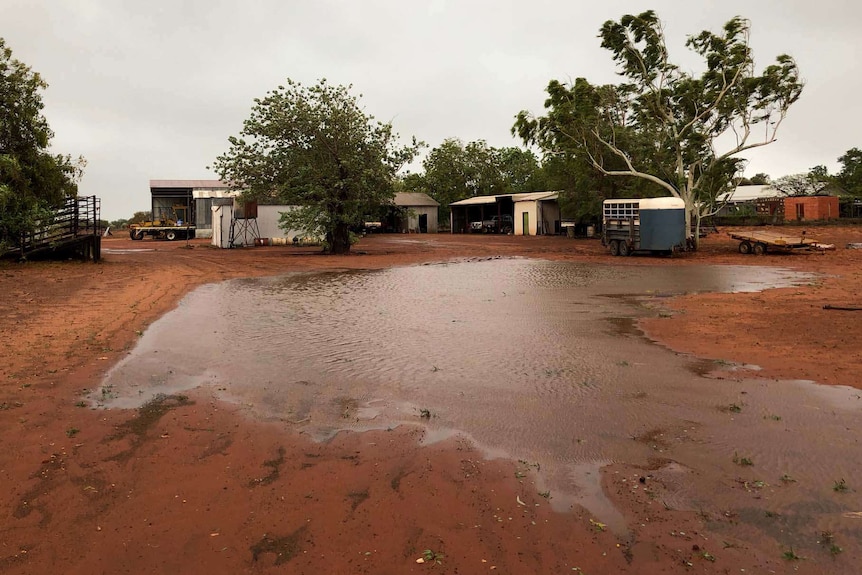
column 522, row 208
column 268, row 218
column 545, row 212
column 413, row 218
column 267, row 223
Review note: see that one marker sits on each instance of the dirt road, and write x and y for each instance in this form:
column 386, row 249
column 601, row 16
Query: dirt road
column 190, row 485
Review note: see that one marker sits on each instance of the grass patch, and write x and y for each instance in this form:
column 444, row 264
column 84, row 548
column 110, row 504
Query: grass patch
column 744, row 461
column 432, row 557
column 790, row 555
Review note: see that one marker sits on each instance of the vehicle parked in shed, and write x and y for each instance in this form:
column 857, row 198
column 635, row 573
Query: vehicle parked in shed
column 501, row 224
column 655, row 225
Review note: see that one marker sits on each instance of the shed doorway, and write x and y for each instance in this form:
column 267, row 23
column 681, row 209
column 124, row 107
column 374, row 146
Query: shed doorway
column 526, row 223
column 423, row 223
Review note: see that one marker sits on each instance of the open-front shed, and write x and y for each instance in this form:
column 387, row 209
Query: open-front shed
column 525, row 214
column 188, row 201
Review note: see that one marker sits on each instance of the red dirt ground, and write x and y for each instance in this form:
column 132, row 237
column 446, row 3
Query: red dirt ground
column 192, row 486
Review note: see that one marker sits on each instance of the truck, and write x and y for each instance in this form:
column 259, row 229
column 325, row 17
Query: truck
column 503, row 224
column 172, row 224
column 654, row 225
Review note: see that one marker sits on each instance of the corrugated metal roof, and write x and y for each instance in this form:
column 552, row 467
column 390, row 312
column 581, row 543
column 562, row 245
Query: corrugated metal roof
column 535, row 196
column 750, row 193
column 406, row 199
column 477, row 201
column 522, row 197
column 216, row 184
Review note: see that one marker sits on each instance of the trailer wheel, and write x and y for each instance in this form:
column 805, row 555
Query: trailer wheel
column 615, row 248
column 624, row 249
column 745, row 247
column 759, row 249
column 171, row 235
column 136, row 234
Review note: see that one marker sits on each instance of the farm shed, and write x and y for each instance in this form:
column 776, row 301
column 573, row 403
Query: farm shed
column 811, row 208
column 537, row 213
column 477, row 208
column 187, row 200
column 540, row 211
column 416, row 212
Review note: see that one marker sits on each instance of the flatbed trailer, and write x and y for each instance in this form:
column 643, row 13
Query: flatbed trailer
column 759, row 243
column 162, row 232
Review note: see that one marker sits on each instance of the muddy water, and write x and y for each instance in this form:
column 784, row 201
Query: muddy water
column 536, row 361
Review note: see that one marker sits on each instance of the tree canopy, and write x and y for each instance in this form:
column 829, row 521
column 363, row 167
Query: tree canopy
column 679, row 131
column 454, row 171
column 32, row 181
column 315, row 148
column 850, row 176
column 800, row 184
column 758, row 179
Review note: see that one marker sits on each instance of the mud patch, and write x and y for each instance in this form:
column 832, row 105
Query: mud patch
column 626, row 326
column 47, row 476
column 357, row 498
column 284, row 548
column 274, row 466
column 148, row 415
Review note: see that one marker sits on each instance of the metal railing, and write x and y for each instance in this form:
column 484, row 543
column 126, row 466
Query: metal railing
column 76, row 219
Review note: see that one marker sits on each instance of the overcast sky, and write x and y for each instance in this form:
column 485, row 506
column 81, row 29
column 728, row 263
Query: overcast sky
column 152, row 90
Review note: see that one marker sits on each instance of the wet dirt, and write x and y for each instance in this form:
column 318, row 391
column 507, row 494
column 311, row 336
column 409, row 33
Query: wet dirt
column 194, row 494
column 511, row 354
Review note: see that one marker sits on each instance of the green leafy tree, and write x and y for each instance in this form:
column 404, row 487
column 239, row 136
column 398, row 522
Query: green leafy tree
column 140, row 217
column 568, row 161
column 520, row 170
column 32, row 181
column 800, row 184
column 665, row 125
column 315, row 148
column 455, row 171
column 761, row 179
column 850, row 176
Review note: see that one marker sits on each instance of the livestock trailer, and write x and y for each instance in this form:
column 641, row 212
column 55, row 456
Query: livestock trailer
column 655, row 225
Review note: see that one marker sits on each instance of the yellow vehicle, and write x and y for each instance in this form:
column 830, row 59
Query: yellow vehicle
column 170, row 229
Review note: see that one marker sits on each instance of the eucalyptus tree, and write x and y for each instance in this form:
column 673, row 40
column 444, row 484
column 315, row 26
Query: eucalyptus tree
column 315, row 148
column 680, row 131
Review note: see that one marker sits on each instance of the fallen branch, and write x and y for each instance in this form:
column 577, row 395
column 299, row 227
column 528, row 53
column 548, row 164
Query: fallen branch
column 842, row 307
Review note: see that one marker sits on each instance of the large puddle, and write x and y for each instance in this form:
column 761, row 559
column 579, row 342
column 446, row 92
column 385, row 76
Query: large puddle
column 532, row 360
